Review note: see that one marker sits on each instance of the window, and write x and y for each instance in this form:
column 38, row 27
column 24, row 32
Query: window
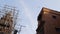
column 3, row 25
column 54, row 17
column 58, row 29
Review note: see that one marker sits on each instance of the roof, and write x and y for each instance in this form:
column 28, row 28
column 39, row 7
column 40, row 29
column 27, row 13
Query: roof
column 47, row 10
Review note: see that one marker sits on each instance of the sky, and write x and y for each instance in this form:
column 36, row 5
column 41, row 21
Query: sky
column 28, row 12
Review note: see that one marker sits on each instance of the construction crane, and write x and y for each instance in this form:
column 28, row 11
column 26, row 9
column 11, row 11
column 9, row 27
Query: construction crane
column 8, row 17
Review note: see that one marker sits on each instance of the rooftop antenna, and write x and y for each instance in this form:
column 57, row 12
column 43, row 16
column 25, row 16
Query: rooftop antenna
column 21, row 26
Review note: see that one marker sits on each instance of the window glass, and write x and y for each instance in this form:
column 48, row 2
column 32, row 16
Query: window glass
column 58, row 29
column 54, row 17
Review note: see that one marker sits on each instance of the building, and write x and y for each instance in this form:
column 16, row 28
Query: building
column 6, row 24
column 8, row 16
column 48, row 22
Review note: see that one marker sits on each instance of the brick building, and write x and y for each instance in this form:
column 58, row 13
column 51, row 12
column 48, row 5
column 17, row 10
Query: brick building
column 48, row 22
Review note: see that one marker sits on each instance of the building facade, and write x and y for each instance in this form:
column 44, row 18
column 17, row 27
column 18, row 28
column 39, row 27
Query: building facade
column 6, row 23
column 48, row 22
column 8, row 17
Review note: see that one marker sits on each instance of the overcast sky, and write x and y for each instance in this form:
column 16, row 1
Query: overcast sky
column 28, row 12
